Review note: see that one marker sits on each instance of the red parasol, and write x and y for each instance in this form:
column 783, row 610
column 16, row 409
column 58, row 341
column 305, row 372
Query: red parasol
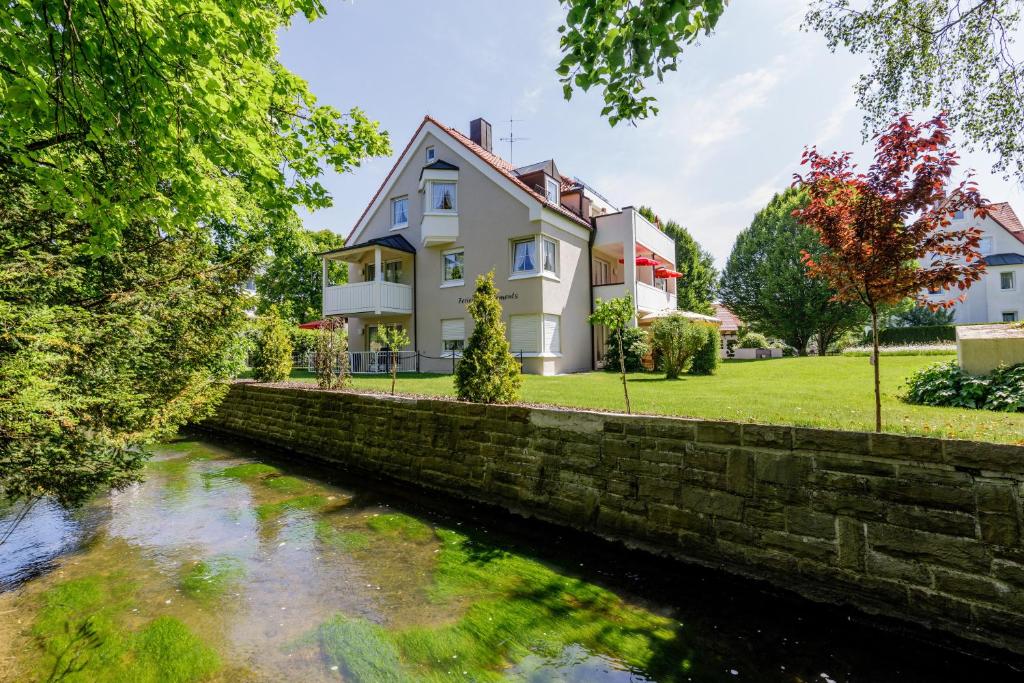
column 642, row 261
column 666, row 273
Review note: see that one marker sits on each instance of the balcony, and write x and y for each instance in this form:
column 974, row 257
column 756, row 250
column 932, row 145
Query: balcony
column 365, row 298
column 437, row 229
column 652, row 299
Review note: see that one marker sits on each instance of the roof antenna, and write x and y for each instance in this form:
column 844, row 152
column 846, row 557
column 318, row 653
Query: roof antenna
column 511, row 139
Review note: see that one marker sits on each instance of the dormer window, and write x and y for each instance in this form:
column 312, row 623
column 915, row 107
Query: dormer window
column 553, row 191
column 431, row 154
column 442, row 196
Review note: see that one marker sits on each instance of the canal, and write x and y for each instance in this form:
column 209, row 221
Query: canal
column 227, row 564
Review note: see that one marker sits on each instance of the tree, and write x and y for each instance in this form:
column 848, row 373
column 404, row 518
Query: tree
column 635, row 344
column 272, row 352
column 291, row 280
column 910, row 313
column 487, row 373
column 331, row 355
column 887, row 232
column 767, row 284
column 678, row 340
column 695, row 290
column 616, row 315
column 394, row 339
column 101, row 355
column 709, row 354
column 148, row 156
column 617, row 45
column 937, row 55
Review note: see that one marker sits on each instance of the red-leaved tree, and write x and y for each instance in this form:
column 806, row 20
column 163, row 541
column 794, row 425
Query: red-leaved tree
column 887, row 231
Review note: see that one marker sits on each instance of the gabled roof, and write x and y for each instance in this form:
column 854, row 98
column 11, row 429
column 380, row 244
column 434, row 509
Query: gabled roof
column 441, row 165
column 396, row 242
column 1003, row 214
column 490, row 158
column 1008, row 259
column 730, row 322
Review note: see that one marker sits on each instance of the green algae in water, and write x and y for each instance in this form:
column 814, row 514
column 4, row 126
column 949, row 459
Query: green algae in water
column 252, row 470
column 270, row 511
column 209, row 579
column 395, row 524
column 81, row 638
column 286, row 484
column 331, row 536
column 361, row 649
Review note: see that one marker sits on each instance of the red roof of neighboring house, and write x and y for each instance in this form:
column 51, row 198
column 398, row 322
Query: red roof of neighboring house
column 1003, row 214
column 730, row 323
column 496, row 162
column 312, row 325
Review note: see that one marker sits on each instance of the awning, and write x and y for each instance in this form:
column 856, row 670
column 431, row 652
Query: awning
column 396, row 242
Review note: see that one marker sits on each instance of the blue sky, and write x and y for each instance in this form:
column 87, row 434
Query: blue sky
column 733, row 122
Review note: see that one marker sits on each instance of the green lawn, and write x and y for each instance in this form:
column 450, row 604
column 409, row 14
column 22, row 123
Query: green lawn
column 832, row 392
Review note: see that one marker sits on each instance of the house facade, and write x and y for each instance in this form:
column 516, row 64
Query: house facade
column 451, row 209
column 999, row 295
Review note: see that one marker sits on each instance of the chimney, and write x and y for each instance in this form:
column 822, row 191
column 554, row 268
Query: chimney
column 480, row 133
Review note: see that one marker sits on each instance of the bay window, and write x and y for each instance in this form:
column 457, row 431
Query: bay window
column 550, row 255
column 524, row 256
column 442, row 196
column 535, row 334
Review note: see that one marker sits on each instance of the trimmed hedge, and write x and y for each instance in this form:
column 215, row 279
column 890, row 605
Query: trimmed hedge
column 923, row 334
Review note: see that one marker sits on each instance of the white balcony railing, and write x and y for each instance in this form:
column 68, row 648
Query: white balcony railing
column 367, row 297
column 651, row 299
column 381, row 361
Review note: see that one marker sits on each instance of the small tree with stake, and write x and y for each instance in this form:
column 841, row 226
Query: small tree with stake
column 394, row 338
column 886, row 232
column 616, row 315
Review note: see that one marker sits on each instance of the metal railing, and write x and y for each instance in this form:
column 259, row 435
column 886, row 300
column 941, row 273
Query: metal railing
column 380, row 361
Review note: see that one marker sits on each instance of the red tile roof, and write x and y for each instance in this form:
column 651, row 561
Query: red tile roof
column 1003, row 214
column 730, row 323
column 496, row 162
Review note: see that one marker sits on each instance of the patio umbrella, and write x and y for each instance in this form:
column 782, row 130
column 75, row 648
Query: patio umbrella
column 642, row 261
column 666, row 273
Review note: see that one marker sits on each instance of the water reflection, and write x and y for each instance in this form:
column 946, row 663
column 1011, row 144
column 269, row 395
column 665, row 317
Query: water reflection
column 221, row 566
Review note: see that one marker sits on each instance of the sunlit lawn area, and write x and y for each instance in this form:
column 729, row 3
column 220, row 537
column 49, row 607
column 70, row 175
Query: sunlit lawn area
column 833, row 392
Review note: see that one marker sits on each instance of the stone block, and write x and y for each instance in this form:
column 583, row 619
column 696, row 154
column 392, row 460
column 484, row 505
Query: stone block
column 815, row 549
column 885, row 566
column 974, row 587
column 936, row 521
column 991, row 457
column 851, row 542
column 850, row 464
column 767, row 436
column 729, row 433
column 784, row 469
column 716, row 503
column 806, row 522
column 957, row 553
column 831, row 441
column 999, row 529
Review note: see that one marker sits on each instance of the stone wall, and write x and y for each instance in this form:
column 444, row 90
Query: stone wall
column 914, row 528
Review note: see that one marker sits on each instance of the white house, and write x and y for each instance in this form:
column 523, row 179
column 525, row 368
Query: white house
column 999, row 295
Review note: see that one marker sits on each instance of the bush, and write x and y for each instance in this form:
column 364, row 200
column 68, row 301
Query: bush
column 754, row 340
column 709, row 355
column 945, row 384
column 676, row 340
column 303, row 340
column 272, row 352
column 922, row 334
column 635, row 345
column 488, row 373
column 331, row 355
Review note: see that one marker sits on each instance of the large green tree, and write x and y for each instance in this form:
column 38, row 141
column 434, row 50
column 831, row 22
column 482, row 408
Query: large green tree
column 767, row 284
column 956, row 56
column 291, row 279
column 151, row 152
column 695, row 290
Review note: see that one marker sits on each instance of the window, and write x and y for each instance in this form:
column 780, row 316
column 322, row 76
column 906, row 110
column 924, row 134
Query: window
column 453, row 336
column 431, row 154
column 442, row 196
column 369, row 272
column 452, row 267
column 400, row 212
column 373, row 340
column 392, row 271
column 1007, row 280
column 553, row 190
column 550, row 255
column 602, row 272
column 986, row 246
column 524, row 256
column 1009, row 316
column 535, row 334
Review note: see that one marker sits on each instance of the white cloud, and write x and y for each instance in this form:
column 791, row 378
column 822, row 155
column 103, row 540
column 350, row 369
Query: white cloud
column 724, row 114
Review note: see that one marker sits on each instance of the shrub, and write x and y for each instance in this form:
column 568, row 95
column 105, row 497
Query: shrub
column 709, row 355
column 922, row 334
column 754, row 340
column 394, row 339
column 945, row 384
column 676, row 339
column 272, row 355
column 303, row 340
column 488, row 373
column 331, row 355
column 636, row 344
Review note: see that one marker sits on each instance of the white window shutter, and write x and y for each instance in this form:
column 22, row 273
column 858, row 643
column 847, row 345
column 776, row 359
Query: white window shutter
column 552, row 341
column 524, row 334
column 453, row 329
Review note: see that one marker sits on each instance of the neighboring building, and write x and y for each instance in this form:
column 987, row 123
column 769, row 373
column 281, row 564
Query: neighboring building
column 999, row 295
column 451, row 209
column 729, row 329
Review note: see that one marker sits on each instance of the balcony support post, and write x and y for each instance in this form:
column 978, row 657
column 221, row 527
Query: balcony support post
column 324, row 284
column 378, row 277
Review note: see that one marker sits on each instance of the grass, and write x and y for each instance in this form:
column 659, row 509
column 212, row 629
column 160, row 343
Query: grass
column 832, row 392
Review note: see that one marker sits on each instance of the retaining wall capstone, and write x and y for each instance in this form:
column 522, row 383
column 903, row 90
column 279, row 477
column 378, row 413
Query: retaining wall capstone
column 920, row 529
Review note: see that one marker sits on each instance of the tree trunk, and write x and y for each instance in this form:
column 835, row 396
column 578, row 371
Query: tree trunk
column 875, row 357
column 394, row 373
column 622, row 370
